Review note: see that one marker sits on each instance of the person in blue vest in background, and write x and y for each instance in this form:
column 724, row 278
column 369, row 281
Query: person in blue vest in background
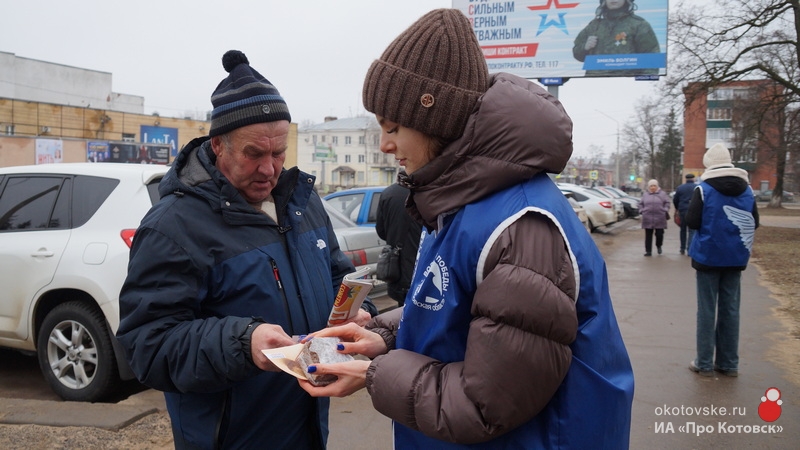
column 508, row 338
column 723, row 211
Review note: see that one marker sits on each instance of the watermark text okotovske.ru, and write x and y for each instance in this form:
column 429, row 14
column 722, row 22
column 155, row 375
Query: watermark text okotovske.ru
column 671, row 413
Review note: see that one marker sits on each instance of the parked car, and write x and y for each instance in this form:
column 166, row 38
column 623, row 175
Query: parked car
column 580, row 211
column 65, row 235
column 602, row 210
column 619, row 207
column 361, row 244
column 767, row 195
column 358, row 204
column 630, row 204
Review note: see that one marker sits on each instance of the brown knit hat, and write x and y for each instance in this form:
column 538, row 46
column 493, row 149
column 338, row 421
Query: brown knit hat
column 430, row 77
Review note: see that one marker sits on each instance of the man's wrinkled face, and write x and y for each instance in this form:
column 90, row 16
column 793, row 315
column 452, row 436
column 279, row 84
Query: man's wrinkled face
column 252, row 157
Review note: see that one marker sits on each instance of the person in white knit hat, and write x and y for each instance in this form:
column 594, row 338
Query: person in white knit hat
column 724, row 213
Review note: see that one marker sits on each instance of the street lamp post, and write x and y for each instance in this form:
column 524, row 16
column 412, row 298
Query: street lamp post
column 616, row 171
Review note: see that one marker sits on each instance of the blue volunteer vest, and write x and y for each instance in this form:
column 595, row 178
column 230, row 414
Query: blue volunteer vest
column 592, row 408
column 726, row 234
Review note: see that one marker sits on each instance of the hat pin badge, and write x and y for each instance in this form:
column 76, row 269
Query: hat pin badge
column 265, row 109
column 427, row 100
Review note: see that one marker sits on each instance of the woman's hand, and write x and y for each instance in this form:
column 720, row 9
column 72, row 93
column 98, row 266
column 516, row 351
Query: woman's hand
column 352, row 376
column 355, row 340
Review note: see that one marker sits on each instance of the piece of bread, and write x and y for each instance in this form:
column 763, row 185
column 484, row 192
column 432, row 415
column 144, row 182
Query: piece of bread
column 320, row 350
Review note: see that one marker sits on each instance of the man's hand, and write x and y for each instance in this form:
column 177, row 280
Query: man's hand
column 361, row 318
column 590, row 43
column 267, row 336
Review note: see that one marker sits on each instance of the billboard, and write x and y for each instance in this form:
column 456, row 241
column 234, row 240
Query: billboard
column 160, row 135
column 556, row 39
column 324, row 152
column 128, row 152
column 49, row 151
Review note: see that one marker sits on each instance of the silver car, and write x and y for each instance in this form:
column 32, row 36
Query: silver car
column 602, row 210
column 361, row 244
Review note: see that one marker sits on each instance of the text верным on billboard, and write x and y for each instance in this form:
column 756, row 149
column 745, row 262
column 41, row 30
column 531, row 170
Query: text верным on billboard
column 566, row 39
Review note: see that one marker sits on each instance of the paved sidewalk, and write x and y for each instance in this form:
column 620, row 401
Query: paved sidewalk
column 655, row 302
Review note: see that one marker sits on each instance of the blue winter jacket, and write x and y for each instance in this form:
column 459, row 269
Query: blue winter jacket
column 203, row 264
column 683, row 195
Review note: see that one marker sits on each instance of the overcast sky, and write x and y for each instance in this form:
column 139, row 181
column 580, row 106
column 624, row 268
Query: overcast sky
column 316, row 52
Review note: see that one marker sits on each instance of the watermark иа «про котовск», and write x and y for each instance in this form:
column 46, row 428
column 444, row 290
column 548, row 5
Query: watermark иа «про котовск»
column 769, row 410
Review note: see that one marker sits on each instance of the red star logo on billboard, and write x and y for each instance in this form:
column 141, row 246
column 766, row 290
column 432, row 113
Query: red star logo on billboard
column 559, row 23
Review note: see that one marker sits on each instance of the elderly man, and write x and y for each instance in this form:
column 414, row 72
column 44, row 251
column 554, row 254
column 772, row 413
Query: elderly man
column 238, row 256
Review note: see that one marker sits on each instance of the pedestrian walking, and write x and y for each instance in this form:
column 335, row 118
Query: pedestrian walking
column 681, row 199
column 654, row 209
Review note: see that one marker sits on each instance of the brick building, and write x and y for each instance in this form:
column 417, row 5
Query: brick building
column 735, row 114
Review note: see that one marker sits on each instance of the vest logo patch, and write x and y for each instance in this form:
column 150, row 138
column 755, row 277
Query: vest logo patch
column 436, row 281
column 745, row 222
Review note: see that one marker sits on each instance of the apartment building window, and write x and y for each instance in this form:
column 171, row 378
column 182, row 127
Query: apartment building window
column 719, row 114
column 361, row 159
column 361, row 140
column 323, row 138
column 348, row 140
column 720, row 94
column 335, row 140
column 718, row 134
column 346, row 159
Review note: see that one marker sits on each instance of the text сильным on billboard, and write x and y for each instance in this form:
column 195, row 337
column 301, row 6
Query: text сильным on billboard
column 568, row 39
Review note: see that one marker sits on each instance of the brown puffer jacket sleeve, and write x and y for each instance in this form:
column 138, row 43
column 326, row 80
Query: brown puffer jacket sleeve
column 386, row 326
column 517, row 347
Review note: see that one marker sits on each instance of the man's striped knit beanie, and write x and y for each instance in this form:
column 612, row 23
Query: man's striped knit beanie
column 244, row 97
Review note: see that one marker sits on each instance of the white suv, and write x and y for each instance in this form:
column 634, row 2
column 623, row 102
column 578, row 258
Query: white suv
column 65, row 235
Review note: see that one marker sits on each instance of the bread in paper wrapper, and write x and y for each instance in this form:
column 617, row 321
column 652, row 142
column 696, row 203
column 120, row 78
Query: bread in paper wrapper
column 320, row 350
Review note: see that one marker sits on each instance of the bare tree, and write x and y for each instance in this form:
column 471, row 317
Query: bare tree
column 668, row 158
column 642, row 134
column 735, row 40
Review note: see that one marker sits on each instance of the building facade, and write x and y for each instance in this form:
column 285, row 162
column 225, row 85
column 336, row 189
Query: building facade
column 345, row 153
column 734, row 115
column 78, row 118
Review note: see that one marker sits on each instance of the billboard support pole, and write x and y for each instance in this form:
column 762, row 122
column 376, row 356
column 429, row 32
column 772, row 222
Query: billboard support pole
column 616, row 171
